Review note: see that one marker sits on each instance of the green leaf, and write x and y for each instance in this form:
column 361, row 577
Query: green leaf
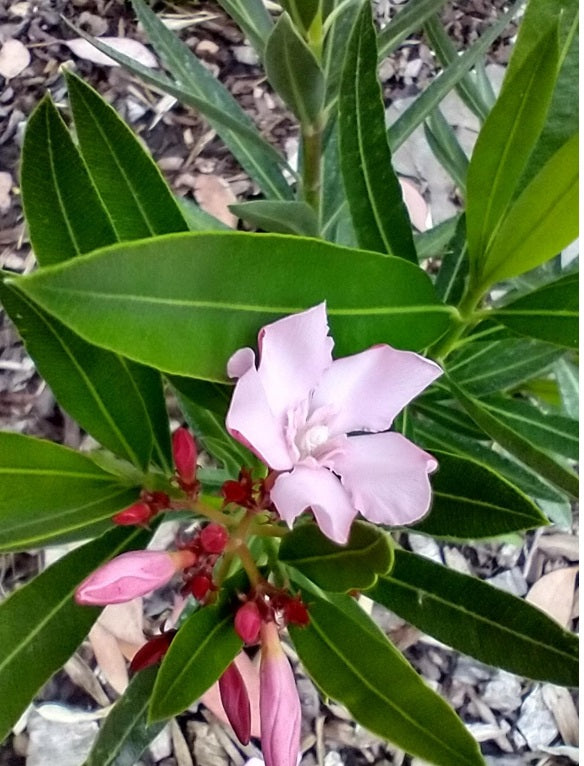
column 433, row 436
column 542, row 221
column 196, row 86
column 202, row 649
column 198, row 219
column 479, row 620
column 351, row 660
column 150, row 386
column 287, row 217
column 445, row 146
column 338, row 568
column 252, row 18
column 431, row 97
column 184, row 303
column 553, row 433
column 129, row 182
column 373, row 191
column 340, row 23
column 504, row 145
column 335, row 220
column 472, row 502
column 294, row 72
column 302, row 12
column 50, row 492
column 125, row 733
column 432, row 242
column 567, row 376
column 94, row 386
column 41, row 625
column 409, row 19
column 448, row 415
column 485, row 367
column 64, row 214
column 446, row 52
column 512, row 440
column 451, row 279
column 549, row 313
column 209, row 425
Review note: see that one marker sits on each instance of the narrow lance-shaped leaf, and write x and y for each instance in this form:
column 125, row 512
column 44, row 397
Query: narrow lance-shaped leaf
column 472, row 502
column 185, row 302
column 450, row 281
column 512, row 440
column 504, row 145
column 431, row 97
column 445, row 146
column 257, row 157
column 409, row 19
column 125, row 733
column 41, row 626
column 51, row 493
column 202, row 649
column 353, row 662
column 134, row 192
column 479, row 620
column 373, row 191
column 294, row 72
column 64, row 214
column 338, row 568
column 542, row 221
column 280, row 217
column 549, row 313
column 93, row 385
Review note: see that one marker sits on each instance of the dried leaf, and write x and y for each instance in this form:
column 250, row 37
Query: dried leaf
column 109, row 657
column 5, row 187
column 124, row 621
column 132, row 48
column 560, row 702
column 416, row 205
column 14, row 58
column 214, row 195
column 554, row 594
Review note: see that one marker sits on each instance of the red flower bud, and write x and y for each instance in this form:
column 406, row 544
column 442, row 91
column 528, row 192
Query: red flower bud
column 296, row 612
column 200, row 586
column 214, row 538
column 139, row 513
column 235, row 700
column 184, row 451
column 233, row 492
column 152, row 651
column 247, row 622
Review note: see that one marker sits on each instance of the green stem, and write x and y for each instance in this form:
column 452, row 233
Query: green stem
column 312, row 163
column 468, row 318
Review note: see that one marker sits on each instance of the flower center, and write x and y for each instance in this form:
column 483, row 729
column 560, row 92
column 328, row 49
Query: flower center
column 309, row 439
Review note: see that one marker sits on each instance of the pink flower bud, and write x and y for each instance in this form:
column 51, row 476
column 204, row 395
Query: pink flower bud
column 131, row 575
column 139, row 513
column 214, row 538
column 184, row 451
column 235, row 701
column 247, row 622
column 279, row 702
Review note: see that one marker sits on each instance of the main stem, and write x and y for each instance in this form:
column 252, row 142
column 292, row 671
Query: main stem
column 311, row 163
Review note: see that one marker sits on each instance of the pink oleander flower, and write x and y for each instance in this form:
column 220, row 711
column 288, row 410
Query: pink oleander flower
column 323, row 425
column 279, row 703
column 131, row 575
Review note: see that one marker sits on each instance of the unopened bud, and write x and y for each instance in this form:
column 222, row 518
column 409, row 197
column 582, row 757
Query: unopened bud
column 184, row 451
column 247, row 622
column 235, row 700
column 296, row 612
column 139, row 513
column 214, row 538
column 200, row 586
column 152, row 651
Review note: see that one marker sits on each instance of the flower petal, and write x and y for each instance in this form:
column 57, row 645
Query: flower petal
column 320, row 490
column 367, row 390
column 250, row 421
column 294, row 353
column 386, row 476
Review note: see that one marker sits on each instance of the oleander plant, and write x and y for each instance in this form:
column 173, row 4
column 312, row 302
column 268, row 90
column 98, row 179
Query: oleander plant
column 346, row 379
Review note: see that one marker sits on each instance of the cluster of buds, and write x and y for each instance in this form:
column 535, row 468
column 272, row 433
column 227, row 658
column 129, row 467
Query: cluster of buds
column 266, row 603
column 247, row 492
column 206, row 547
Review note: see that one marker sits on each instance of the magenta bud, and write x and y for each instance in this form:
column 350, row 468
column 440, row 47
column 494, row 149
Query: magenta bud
column 214, row 538
column 280, row 713
column 139, row 513
column 248, row 622
column 184, row 451
column 131, row 575
column 152, row 651
column 235, row 700
column 200, row 586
